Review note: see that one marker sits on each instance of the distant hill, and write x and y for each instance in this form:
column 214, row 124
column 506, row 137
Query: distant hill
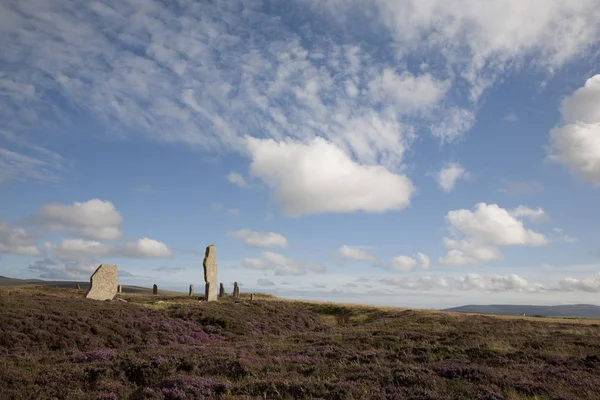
column 6, row 281
column 570, row 310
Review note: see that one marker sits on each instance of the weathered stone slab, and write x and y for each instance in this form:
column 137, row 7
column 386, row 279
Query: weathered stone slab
column 155, row 289
column 210, row 273
column 191, row 291
column 221, row 290
column 103, row 283
column 119, row 289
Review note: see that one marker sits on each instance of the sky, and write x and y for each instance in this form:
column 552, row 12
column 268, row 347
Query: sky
column 421, row 153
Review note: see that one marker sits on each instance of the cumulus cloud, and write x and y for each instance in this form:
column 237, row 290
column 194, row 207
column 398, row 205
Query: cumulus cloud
column 318, row 177
column 589, row 284
column 484, row 230
column 237, row 179
column 576, row 143
column 403, row 263
column 424, row 260
column 534, row 215
column 16, row 241
column 495, row 283
column 86, row 249
column 355, row 253
column 260, row 239
column 256, row 263
column 449, row 175
column 282, row 265
column 93, row 219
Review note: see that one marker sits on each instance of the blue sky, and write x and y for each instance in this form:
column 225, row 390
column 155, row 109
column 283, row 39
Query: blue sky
column 421, row 153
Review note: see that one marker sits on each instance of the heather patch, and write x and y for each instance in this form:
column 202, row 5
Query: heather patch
column 67, row 347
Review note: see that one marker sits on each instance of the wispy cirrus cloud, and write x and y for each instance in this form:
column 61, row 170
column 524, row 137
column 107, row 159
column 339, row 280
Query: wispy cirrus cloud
column 209, row 73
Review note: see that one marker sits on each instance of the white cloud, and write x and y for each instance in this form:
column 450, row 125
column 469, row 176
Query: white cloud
column 80, row 249
column 494, row 225
column 93, row 219
column 453, row 124
column 237, row 179
column 16, row 241
column 282, row 265
column 406, row 91
column 484, row 230
column 424, row 260
column 318, row 177
column 43, row 167
column 589, row 284
column 576, row 143
column 260, row 239
column 449, row 175
column 495, row 283
column 354, row 253
column 146, row 248
column 537, row 215
column 403, row 263
column 256, row 263
column 188, row 87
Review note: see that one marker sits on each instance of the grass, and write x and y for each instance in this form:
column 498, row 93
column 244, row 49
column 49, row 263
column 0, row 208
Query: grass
column 55, row 344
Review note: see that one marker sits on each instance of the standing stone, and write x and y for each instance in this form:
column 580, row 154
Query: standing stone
column 103, row 283
column 155, row 289
column 221, row 290
column 191, row 292
column 77, row 287
column 119, row 289
column 236, row 290
column 210, row 273
column 252, row 296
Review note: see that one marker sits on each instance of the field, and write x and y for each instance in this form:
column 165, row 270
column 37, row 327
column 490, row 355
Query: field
column 56, row 344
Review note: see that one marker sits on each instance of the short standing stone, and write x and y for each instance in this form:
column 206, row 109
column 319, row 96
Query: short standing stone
column 77, row 287
column 191, row 292
column 236, row 290
column 103, row 283
column 221, row 290
column 119, row 289
column 252, row 296
column 210, row 273
column 155, row 289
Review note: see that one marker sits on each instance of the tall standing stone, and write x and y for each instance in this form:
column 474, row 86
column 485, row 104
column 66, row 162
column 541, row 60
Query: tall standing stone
column 210, row 273
column 119, row 289
column 221, row 290
column 191, row 292
column 236, row 290
column 155, row 289
column 103, row 283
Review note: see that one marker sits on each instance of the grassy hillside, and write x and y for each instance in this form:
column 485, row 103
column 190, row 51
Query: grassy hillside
column 55, row 344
